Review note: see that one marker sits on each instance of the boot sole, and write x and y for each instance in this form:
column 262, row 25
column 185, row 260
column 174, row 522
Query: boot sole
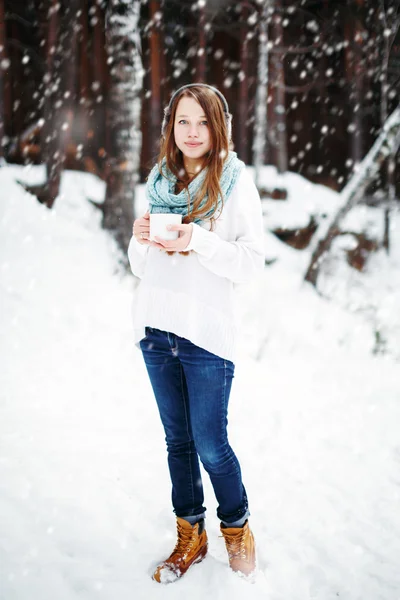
column 250, row 577
column 199, row 558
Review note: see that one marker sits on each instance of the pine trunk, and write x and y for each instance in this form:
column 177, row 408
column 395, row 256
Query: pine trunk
column 355, row 75
column 5, row 91
column 261, row 123
column 48, row 143
column 242, row 127
column 61, row 92
column 278, row 126
column 84, row 77
column 99, row 80
column 390, row 165
column 84, row 106
column 155, row 74
column 124, row 51
column 201, row 51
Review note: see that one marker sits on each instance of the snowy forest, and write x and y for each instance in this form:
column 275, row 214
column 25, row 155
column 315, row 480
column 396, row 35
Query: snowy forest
column 310, row 85
column 314, row 89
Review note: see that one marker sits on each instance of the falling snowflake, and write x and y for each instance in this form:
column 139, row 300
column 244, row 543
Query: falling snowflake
column 312, row 26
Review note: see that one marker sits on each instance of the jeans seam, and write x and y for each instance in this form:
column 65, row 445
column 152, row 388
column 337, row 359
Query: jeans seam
column 225, row 410
column 187, row 430
column 225, row 416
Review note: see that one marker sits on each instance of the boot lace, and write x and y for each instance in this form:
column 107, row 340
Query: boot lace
column 236, row 545
column 184, row 542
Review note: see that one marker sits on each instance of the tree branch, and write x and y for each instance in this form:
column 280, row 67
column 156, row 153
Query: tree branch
column 387, row 144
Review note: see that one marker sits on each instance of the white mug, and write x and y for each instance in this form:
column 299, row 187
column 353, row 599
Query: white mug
column 158, row 225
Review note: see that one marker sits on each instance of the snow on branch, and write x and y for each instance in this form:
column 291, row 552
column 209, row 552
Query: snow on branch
column 386, row 144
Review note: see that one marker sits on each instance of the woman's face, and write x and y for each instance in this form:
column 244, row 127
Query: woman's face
column 191, row 132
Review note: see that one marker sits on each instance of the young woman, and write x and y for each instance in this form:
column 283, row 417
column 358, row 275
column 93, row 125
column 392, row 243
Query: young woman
column 184, row 318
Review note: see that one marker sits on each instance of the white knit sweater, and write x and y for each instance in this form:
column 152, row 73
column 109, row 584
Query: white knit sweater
column 192, row 295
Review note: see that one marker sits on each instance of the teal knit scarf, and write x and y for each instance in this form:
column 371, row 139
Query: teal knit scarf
column 160, row 190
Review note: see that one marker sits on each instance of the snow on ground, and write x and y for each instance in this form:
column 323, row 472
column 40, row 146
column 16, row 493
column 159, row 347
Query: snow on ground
column 84, row 486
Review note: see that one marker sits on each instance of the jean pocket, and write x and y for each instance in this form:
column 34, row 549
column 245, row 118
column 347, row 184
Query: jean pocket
column 145, row 337
column 148, row 331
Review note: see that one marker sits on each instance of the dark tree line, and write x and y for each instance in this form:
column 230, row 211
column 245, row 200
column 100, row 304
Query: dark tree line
column 83, row 84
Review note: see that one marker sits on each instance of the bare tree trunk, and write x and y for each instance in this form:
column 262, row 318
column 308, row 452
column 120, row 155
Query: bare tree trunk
column 60, row 90
column 50, row 94
column 84, row 78
column 124, row 50
column 155, row 74
column 2, row 59
column 84, row 106
column 354, row 69
column 390, row 25
column 323, row 62
column 384, row 111
column 15, row 55
column 386, row 145
column 278, row 91
column 261, row 131
column 201, row 51
column 65, row 95
column 99, row 79
column 5, row 90
column 242, row 128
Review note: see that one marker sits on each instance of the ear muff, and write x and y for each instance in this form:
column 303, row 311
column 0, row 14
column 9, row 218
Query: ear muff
column 167, row 109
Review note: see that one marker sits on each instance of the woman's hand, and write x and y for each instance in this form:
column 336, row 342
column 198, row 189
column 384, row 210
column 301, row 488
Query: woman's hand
column 141, row 229
column 178, row 245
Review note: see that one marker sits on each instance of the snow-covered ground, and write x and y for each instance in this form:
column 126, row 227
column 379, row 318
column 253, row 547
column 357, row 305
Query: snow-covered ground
column 314, row 416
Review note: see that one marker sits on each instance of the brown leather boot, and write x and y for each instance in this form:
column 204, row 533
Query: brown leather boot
column 190, row 548
column 241, row 548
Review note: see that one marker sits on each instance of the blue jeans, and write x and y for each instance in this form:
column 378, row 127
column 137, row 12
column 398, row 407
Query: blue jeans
column 192, row 387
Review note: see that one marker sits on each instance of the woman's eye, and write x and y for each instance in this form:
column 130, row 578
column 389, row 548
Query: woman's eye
column 184, row 122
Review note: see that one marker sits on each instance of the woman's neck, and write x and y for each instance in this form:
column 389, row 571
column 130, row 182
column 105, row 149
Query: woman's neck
column 192, row 168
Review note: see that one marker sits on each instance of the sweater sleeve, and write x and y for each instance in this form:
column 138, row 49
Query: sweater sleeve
column 241, row 259
column 137, row 254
